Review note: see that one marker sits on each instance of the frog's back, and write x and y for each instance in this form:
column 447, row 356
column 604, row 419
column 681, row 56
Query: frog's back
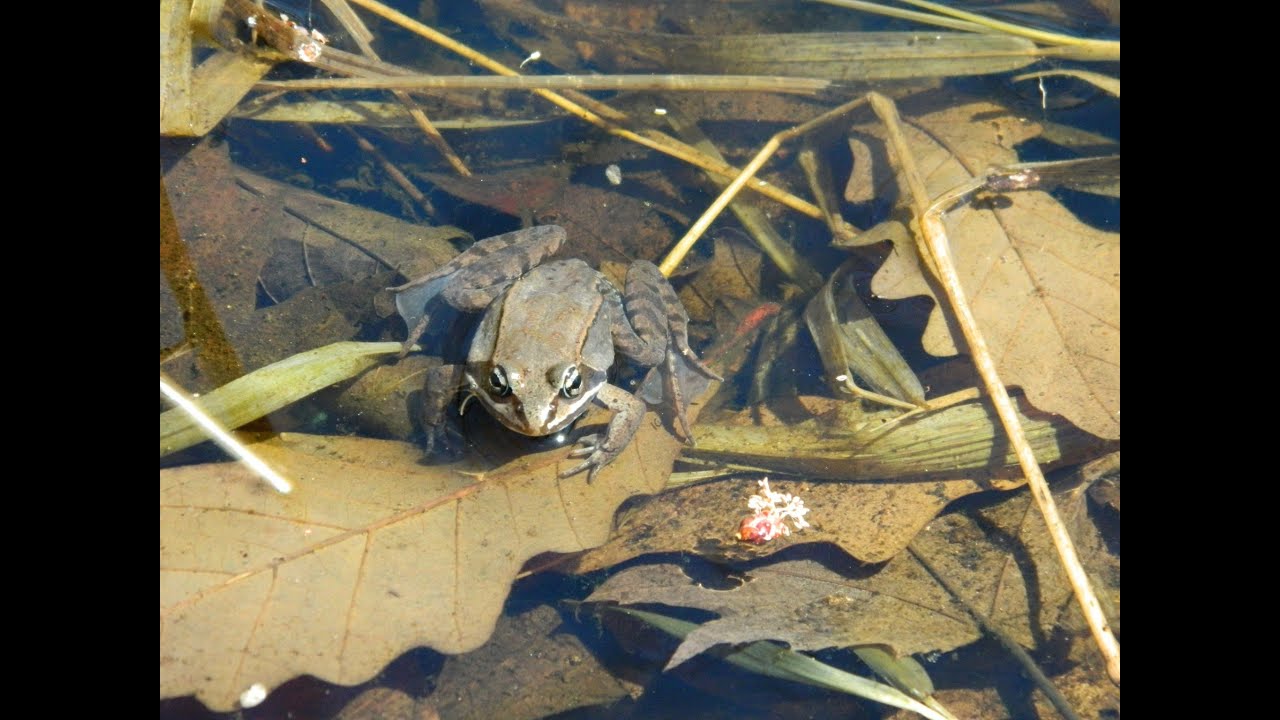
column 554, row 313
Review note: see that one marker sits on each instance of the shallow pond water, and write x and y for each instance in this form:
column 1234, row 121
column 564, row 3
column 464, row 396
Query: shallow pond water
column 289, row 221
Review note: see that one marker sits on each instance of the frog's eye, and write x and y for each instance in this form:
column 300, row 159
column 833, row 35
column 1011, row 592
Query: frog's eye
column 498, row 383
column 571, row 383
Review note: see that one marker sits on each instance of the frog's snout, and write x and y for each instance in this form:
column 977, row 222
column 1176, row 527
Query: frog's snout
column 538, row 417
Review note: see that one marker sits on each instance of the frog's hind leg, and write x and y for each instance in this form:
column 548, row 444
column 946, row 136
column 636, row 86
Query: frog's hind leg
column 639, row 330
column 661, row 330
column 659, row 318
column 678, row 324
column 674, row 391
column 470, row 285
column 513, row 252
column 489, row 267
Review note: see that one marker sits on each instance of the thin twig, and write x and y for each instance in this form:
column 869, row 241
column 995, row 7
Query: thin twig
column 360, row 34
column 424, row 124
column 752, row 217
column 821, row 183
column 393, row 172
column 310, row 132
column 934, row 237
column 650, row 139
column 306, row 257
column 341, row 62
column 700, row 83
column 873, row 396
column 677, row 254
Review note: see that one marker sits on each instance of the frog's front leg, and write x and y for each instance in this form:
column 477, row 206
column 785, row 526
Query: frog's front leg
column 655, row 328
column 628, row 413
column 472, row 280
column 441, row 387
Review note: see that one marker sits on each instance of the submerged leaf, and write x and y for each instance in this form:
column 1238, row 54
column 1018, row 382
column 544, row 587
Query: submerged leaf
column 850, row 340
column 1044, row 286
column 361, row 241
column 807, row 605
column 841, row 444
column 1000, row 556
column 554, row 671
column 870, row 521
column 372, row 554
column 590, row 215
column 844, row 56
column 733, row 272
column 232, row 223
column 769, row 659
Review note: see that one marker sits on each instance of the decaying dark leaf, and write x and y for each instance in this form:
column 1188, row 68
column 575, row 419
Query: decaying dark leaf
column 591, row 216
column 520, row 192
column 319, row 241
column 807, row 605
column 527, row 670
column 230, row 222
column 733, row 272
column 1000, row 556
column 870, row 521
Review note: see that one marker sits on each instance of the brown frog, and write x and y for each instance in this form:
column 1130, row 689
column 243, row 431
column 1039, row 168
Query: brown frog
column 547, row 337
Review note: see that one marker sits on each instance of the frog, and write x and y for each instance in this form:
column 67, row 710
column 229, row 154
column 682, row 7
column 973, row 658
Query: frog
column 548, row 334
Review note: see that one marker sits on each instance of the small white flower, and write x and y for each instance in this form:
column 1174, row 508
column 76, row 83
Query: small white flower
column 771, row 510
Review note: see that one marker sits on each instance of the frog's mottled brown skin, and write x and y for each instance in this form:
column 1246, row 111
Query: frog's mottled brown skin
column 546, row 340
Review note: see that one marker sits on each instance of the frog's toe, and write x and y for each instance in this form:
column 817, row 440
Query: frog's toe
column 577, row 469
column 680, row 427
column 587, row 445
column 592, row 464
column 596, row 457
column 698, row 365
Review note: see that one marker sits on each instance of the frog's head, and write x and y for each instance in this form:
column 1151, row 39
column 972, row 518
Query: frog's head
column 536, row 403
